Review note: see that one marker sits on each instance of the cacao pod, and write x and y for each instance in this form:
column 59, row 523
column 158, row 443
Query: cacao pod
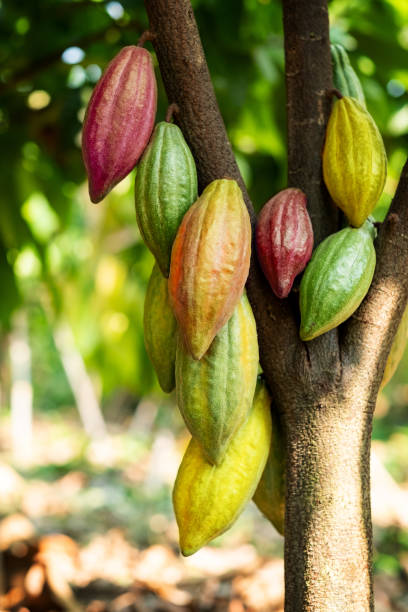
column 210, row 263
column 336, row 279
column 160, row 330
column 215, row 394
column 344, row 76
column 119, row 120
column 354, row 160
column 207, row 499
column 397, row 349
column 284, row 239
column 165, row 188
column 270, row 493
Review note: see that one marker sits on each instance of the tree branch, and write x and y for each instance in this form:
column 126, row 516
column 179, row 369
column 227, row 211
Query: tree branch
column 370, row 331
column 308, row 71
column 188, row 84
column 308, row 79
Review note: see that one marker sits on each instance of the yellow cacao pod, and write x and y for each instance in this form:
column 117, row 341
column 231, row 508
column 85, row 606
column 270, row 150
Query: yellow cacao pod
column 208, row 498
column 270, row 493
column 354, row 160
column 397, row 349
column 160, row 330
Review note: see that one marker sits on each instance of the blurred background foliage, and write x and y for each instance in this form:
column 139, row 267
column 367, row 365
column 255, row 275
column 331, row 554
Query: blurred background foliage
column 69, row 259
column 73, row 275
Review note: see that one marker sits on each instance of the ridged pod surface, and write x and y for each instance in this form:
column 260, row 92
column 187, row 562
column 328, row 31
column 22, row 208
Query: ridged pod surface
column 354, row 160
column 215, row 393
column 397, row 349
column 270, row 493
column 344, row 77
column 207, row 499
column 336, row 279
column 165, row 188
column 210, row 263
column 119, row 119
column 160, row 330
column 284, row 239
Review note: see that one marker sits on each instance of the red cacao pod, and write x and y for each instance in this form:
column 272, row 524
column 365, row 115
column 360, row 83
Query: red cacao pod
column 209, row 263
column 284, row 239
column 119, row 120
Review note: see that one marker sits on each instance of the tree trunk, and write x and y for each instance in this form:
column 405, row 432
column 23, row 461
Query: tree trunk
column 327, row 523
column 325, row 390
column 328, row 520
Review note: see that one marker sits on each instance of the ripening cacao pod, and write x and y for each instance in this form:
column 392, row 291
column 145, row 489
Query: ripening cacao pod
column 284, row 239
column 119, row 120
column 344, row 76
column 165, row 188
column 336, row 279
column 215, row 393
column 208, row 498
column 397, row 349
column 270, row 493
column 160, row 330
column 209, row 263
column 354, row 160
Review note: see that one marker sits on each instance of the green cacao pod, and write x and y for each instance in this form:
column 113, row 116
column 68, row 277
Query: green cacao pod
column 208, row 498
column 160, row 330
column 354, row 160
column 344, row 76
column 165, row 188
column 397, row 349
column 210, row 263
column 336, row 279
column 215, row 393
column 270, row 493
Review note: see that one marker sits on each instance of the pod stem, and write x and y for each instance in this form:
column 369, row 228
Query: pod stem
column 145, row 37
column 173, row 108
column 335, row 93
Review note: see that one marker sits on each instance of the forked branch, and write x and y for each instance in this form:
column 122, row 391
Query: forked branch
column 187, row 81
column 370, row 331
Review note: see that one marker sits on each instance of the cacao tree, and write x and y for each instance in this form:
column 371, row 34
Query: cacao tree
column 324, row 390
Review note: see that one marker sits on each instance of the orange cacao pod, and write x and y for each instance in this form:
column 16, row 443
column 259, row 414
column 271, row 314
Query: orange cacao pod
column 209, row 263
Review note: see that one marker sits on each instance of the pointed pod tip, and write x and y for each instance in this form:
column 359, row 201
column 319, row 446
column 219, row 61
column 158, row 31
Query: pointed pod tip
column 189, row 546
column 282, row 292
column 197, row 349
column 96, row 196
column 187, row 552
column 306, row 334
column 215, row 455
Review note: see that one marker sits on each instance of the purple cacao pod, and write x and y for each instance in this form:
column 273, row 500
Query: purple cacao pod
column 119, row 119
column 284, row 239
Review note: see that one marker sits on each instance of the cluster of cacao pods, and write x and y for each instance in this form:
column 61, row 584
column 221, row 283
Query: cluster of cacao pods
column 199, row 328
column 340, row 271
column 354, row 170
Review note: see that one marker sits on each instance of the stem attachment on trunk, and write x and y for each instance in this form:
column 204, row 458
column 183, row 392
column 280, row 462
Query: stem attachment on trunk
column 173, row 108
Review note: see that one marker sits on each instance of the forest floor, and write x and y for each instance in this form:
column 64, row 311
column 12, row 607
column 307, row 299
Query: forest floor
column 87, row 526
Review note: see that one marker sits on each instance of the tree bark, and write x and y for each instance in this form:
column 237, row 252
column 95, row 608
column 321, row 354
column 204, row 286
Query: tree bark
column 325, row 390
column 328, row 520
